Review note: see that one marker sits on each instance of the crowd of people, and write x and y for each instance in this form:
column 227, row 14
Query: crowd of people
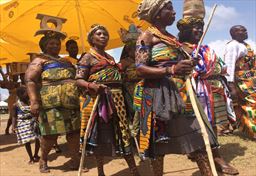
column 143, row 97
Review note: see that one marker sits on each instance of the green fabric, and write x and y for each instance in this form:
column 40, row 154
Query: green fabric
column 60, row 101
column 63, row 95
column 59, row 121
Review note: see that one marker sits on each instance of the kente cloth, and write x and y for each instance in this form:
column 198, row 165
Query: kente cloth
column 211, row 88
column 25, row 124
column 165, row 53
column 130, row 79
column 245, row 79
column 145, row 95
column 148, row 9
column 86, row 104
column 60, row 98
column 233, row 51
column 110, row 125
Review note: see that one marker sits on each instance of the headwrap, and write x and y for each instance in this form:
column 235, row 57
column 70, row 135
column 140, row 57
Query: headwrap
column 148, row 9
column 193, row 13
column 186, row 23
column 94, row 28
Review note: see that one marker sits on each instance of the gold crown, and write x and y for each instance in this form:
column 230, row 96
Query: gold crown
column 131, row 35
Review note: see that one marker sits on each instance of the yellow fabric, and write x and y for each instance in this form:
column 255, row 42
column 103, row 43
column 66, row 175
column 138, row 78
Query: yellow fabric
column 18, row 23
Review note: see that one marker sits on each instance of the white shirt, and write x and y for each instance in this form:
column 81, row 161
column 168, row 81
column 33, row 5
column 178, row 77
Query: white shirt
column 233, row 51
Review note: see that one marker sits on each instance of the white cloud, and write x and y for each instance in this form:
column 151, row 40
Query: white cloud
column 223, row 17
column 116, row 53
column 219, row 46
column 3, row 94
column 252, row 44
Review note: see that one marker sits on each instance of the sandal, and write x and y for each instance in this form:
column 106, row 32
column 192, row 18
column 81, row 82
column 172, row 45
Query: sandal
column 43, row 168
column 225, row 168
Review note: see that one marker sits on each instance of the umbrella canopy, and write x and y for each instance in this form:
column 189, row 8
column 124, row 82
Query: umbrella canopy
column 19, row 23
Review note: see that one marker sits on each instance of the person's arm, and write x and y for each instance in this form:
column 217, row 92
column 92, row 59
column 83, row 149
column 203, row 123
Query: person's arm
column 143, row 54
column 230, row 57
column 82, row 74
column 32, row 80
column 14, row 118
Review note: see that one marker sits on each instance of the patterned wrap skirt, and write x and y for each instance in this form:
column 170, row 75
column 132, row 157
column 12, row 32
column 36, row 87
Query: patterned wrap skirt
column 111, row 136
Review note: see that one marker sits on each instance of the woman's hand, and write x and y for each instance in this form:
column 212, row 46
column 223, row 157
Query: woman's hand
column 183, row 67
column 95, row 88
column 35, row 108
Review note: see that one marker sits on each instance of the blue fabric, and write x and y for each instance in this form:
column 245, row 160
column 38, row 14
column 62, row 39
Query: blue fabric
column 55, row 65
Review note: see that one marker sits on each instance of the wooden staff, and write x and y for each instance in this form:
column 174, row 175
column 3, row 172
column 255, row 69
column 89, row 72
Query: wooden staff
column 195, row 107
column 86, row 135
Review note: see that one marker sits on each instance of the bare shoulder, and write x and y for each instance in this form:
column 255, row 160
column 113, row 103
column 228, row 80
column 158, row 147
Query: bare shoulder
column 38, row 61
column 145, row 38
column 84, row 60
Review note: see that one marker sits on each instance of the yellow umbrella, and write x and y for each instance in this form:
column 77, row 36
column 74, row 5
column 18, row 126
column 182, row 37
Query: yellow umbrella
column 19, row 23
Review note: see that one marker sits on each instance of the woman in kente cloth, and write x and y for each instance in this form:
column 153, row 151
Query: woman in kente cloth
column 209, row 74
column 128, row 68
column 54, row 98
column 211, row 84
column 98, row 74
column 167, row 121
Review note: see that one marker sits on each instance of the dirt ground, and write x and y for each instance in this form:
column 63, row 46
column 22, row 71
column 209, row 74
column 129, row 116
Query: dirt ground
column 236, row 149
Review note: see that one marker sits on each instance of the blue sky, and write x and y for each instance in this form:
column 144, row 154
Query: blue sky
column 228, row 13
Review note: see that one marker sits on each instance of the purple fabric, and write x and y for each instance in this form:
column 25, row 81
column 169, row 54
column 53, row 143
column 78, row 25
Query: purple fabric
column 106, row 106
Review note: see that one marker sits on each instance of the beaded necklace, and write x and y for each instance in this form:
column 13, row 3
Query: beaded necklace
column 171, row 40
column 99, row 57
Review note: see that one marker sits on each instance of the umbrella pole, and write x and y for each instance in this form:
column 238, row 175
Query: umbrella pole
column 86, row 135
column 80, row 25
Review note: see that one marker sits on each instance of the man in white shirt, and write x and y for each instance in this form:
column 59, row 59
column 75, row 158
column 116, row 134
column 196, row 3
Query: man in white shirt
column 235, row 49
column 241, row 62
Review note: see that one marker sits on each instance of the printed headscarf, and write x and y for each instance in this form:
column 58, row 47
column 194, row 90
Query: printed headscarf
column 148, row 9
column 186, row 23
column 193, row 13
